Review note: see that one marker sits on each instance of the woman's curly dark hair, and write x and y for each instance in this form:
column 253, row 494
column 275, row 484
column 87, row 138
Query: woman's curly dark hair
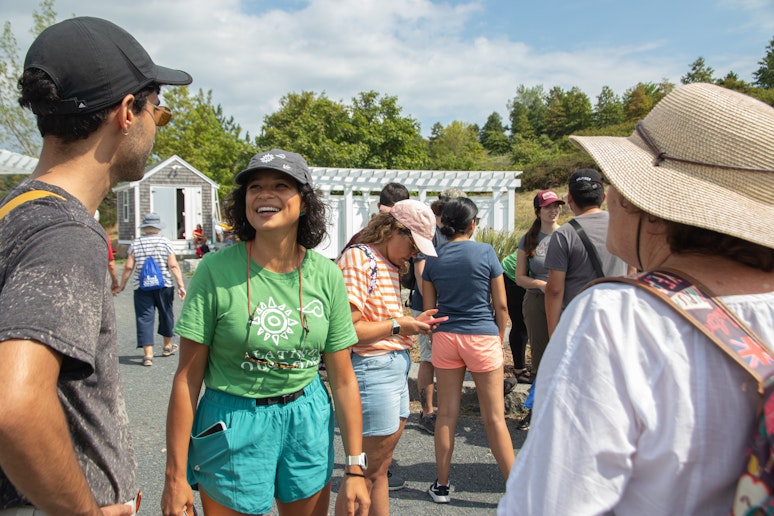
column 39, row 94
column 312, row 226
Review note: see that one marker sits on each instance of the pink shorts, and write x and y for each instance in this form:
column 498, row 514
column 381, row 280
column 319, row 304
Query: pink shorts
column 479, row 353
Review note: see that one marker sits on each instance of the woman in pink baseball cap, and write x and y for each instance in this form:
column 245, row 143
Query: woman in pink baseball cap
column 372, row 269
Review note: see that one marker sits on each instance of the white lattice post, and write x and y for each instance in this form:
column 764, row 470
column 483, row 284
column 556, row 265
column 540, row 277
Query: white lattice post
column 348, row 228
column 498, row 217
column 510, row 211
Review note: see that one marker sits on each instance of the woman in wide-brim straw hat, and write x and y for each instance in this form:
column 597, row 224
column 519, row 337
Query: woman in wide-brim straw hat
column 658, row 416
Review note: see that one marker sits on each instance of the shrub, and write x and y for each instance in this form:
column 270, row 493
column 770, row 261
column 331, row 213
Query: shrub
column 504, row 242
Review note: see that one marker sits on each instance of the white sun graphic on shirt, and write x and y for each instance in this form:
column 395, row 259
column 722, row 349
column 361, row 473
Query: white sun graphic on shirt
column 274, row 321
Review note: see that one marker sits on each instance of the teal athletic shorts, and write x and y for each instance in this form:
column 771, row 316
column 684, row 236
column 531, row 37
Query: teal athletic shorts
column 281, row 451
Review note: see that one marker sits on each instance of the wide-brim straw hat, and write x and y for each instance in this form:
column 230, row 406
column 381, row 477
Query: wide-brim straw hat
column 704, row 156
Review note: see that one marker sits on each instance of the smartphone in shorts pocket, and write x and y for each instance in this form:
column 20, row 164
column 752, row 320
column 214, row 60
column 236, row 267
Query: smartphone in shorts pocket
column 220, row 426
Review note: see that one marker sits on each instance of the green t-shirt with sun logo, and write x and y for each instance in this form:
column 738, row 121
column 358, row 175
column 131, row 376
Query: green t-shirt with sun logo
column 267, row 351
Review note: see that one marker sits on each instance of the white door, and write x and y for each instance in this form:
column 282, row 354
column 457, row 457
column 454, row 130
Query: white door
column 192, row 207
column 164, row 202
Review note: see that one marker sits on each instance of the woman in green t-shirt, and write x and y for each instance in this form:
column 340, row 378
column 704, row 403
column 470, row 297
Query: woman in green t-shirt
column 258, row 318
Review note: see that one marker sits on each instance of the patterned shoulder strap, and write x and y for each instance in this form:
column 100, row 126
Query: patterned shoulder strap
column 710, row 316
column 22, row 198
column 372, row 267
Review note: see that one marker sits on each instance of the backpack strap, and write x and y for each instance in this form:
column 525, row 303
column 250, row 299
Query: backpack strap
column 372, row 267
column 590, row 249
column 26, row 196
column 710, row 316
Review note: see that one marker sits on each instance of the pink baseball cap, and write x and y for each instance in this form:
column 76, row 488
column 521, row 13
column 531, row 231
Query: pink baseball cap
column 420, row 220
column 546, row 197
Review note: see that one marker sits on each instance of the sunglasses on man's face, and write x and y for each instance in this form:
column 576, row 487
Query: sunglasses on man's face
column 161, row 114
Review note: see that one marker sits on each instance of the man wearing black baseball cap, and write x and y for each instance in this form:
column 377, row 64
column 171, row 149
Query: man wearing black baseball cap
column 570, row 259
column 65, row 443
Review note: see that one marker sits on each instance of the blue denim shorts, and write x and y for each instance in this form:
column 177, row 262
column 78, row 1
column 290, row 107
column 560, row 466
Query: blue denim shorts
column 282, row 451
column 383, row 391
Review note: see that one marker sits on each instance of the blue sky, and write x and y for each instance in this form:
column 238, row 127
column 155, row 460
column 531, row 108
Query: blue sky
column 445, row 61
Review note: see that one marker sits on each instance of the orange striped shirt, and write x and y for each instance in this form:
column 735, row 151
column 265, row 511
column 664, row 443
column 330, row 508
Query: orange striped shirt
column 381, row 304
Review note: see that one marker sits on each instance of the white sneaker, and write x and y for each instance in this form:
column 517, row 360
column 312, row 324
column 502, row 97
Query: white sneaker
column 439, row 494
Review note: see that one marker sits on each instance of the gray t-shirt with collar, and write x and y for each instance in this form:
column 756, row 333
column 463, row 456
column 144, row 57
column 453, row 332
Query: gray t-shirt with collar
column 567, row 253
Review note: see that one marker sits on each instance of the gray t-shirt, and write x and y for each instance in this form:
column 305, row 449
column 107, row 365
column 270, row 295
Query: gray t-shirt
column 536, row 264
column 567, row 253
column 55, row 289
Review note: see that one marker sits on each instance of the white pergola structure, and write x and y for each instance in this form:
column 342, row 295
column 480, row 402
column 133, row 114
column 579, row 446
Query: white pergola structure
column 352, row 194
column 15, row 163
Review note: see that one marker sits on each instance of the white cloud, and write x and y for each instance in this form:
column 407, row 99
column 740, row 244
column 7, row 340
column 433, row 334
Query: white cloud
column 417, row 50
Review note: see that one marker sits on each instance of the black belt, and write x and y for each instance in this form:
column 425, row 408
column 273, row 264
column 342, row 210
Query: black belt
column 280, row 400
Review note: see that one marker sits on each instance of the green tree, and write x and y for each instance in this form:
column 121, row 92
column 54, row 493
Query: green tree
column 383, row 136
column 661, row 90
column 436, row 131
column 492, row 136
column 578, row 114
column 520, row 124
column 312, row 125
column 567, row 112
column 533, row 105
column 699, row 72
column 530, row 150
column 456, row 148
column 609, row 108
column 637, row 103
column 554, row 113
column 202, row 135
column 764, row 75
column 372, row 133
column 18, row 129
column 733, row 82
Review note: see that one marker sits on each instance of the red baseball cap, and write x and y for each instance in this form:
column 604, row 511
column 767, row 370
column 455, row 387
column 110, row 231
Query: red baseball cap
column 546, row 197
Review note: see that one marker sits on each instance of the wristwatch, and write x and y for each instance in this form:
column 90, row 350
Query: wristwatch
column 357, row 460
column 395, row 326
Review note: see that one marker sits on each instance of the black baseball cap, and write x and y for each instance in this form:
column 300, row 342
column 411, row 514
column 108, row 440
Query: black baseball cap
column 584, row 180
column 94, row 64
column 290, row 163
